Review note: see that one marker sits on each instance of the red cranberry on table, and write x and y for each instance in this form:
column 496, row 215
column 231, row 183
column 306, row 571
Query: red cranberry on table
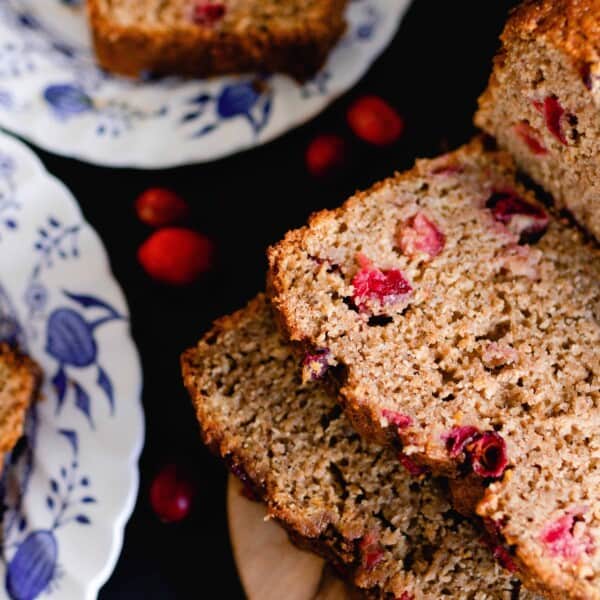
column 172, row 493
column 176, row 256
column 159, row 207
column 375, row 121
column 325, row 155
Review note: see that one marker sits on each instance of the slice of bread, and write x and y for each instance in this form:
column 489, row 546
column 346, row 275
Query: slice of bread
column 200, row 38
column 391, row 534
column 543, row 101
column 20, row 379
column 463, row 322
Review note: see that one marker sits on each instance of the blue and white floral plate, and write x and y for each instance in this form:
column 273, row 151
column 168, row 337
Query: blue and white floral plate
column 52, row 93
column 71, row 484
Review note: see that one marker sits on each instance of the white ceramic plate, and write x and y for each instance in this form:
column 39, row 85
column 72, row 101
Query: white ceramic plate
column 70, row 486
column 52, row 93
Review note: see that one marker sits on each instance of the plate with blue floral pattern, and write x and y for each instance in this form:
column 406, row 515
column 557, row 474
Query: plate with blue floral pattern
column 70, row 484
column 53, row 94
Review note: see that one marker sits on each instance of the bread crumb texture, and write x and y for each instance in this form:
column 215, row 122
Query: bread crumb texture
column 460, row 322
column 391, row 534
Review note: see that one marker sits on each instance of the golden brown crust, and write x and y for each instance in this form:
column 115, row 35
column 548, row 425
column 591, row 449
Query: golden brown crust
column 20, row 379
column 200, row 51
column 572, row 26
column 550, row 52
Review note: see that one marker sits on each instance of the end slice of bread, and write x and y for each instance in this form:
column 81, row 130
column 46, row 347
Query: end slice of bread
column 392, row 535
column 543, row 101
column 201, row 38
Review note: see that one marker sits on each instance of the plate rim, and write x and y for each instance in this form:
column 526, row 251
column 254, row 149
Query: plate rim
column 118, row 521
column 168, row 161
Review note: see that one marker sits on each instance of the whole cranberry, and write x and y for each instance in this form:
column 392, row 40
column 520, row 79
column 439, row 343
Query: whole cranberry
column 159, row 207
column 375, row 121
column 172, row 493
column 176, row 256
column 325, row 154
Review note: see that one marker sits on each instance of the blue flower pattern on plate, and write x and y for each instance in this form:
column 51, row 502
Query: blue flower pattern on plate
column 67, row 100
column 250, row 99
column 43, row 312
column 71, row 342
column 83, row 92
column 33, row 567
column 70, row 100
column 55, row 242
column 70, row 337
column 8, row 202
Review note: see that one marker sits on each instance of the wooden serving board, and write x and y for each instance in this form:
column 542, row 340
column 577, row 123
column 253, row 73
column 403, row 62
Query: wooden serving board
column 270, row 567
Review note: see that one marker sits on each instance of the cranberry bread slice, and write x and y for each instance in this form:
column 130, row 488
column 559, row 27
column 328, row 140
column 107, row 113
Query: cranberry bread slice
column 463, row 325
column 543, row 100
column 210, row 37
column 20, row 379
column 392, row 535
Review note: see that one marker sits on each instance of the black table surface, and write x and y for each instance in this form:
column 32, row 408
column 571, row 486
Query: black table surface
column 432, row 72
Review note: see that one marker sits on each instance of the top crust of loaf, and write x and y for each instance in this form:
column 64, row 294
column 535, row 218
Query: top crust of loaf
column 20, row 379
column 251, row 36
column 392, row 535
column 496, row 335
column 542, row 103
column 572, row 26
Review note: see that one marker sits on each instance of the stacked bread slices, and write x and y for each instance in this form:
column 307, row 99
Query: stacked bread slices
column 432, row 382
column 391, row 533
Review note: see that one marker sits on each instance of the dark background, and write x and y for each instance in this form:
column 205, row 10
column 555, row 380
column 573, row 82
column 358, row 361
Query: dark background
column 432, row 73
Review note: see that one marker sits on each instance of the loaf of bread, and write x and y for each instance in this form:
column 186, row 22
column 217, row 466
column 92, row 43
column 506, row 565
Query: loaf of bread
column 543, row 101
column 20, row 379
column 461, row 321
column 200, row 38
column 391, row 534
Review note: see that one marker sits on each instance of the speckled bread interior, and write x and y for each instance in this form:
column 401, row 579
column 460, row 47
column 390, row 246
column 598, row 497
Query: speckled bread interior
column 392, row 535
column 475, row 349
